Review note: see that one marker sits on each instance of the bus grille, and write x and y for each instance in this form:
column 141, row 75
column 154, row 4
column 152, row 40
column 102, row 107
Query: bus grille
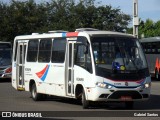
column 119, row 94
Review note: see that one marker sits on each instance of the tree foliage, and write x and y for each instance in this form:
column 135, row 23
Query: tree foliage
column 147, row 28
column 26, row 17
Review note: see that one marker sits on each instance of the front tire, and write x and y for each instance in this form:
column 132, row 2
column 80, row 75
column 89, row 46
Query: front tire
column 35, row 96
column 85, row 103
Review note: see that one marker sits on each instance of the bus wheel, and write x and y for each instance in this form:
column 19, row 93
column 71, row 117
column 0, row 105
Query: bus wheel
column 156, row 74
column 129, row 104
column 85, row 103
column 35, row 96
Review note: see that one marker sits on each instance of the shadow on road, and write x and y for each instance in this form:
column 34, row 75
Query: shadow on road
column 5, row 80
column 154, row 79
column 152, row 104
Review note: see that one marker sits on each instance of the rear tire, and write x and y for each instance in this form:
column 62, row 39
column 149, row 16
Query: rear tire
column 129, row 104
column 85, row 103
column 35, row 96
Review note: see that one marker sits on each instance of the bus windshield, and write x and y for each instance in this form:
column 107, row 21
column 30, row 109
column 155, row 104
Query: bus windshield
column 5, row 54
column 118, row 53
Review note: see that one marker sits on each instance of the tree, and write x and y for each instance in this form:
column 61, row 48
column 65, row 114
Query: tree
column 3, row 21
column 111, row 19
column 26, row 17
column 157, row 28
column 147, row 28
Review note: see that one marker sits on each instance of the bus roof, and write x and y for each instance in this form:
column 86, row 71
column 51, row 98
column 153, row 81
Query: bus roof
column 73, row 34
column 150, row 39
column 94, row 33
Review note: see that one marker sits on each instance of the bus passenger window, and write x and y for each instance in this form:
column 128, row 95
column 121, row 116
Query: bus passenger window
column 83, row 59
column 44, row 50
column 32, row 51
column 58, row 50
column 80, row 57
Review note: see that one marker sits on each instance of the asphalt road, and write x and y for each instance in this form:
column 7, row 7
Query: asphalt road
column 12, row 100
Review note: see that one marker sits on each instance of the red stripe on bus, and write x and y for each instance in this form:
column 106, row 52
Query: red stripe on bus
column 71, row 34
column 41, row 73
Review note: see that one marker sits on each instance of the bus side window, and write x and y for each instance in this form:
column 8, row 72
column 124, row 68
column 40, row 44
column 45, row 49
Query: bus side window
column 58, row 50
column 32, row 51
column 83, row 59
column 45, row 50
column 80, row 56
column 158, row 47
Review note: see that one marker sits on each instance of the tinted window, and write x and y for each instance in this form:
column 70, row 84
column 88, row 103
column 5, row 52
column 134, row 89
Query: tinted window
column 15, row 54
column 5, row 45
column 44, row 50
column 58, row 50
column 151, row 47
column 5, row 54
column 118, row 53
column 32, row 51
column 82, row 54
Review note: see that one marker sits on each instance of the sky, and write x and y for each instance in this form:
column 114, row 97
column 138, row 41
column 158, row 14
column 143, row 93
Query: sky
column 146, row 8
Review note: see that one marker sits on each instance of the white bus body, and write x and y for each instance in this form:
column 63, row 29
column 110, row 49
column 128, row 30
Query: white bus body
column 72, row 64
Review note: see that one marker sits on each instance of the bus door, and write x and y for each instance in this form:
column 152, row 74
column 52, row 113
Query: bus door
column 70, row 68
column 20, row 62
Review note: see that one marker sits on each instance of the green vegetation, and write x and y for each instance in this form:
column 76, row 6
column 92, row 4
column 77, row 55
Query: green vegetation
column 26, row 17
column 147, row 29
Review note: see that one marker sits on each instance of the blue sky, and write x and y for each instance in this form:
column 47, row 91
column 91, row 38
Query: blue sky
column 146, row 8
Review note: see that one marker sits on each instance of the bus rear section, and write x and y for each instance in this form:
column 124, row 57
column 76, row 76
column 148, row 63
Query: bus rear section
column 88, row 65
column 5, row 60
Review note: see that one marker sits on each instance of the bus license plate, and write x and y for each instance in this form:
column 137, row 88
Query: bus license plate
column 126, row 98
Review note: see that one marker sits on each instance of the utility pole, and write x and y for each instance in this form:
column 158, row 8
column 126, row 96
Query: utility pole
column 135, row 18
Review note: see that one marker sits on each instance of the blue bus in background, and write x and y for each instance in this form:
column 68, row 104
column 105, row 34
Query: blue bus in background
column 5, row 59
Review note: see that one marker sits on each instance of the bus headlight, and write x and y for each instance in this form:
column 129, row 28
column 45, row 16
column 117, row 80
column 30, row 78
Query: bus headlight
column 103, row 85
column 147, row 85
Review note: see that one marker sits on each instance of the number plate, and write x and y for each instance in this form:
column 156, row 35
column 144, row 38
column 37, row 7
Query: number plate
column 126, row 98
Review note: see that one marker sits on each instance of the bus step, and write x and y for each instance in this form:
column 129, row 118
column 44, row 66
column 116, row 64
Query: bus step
column 20, row 89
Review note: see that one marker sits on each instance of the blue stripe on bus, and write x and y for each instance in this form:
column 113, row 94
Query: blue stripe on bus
column 45, row 74
column 64, row 34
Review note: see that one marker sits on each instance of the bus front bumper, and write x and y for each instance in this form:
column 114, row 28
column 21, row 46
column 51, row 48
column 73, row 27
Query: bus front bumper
column 114, row 94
